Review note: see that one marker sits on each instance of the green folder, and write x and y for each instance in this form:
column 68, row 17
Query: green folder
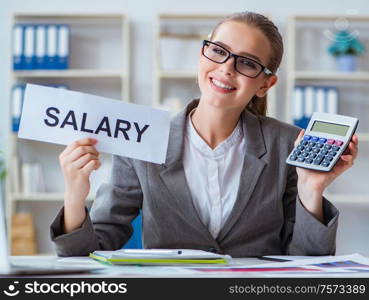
column 159, row 257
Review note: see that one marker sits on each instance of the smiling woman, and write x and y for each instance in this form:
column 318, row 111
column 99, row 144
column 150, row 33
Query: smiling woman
column 225, row 186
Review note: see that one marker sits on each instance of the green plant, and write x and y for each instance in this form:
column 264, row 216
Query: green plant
column 345, row 44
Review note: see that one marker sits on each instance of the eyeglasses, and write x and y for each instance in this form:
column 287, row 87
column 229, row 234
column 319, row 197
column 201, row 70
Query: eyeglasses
column 243, row 65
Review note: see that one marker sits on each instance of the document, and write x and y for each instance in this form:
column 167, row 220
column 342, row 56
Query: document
column 62, row 116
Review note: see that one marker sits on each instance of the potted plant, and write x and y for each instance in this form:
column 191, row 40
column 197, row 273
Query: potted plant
column 346, row 48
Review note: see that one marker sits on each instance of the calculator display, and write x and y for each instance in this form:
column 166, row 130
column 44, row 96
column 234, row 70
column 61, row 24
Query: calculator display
column 330, row 128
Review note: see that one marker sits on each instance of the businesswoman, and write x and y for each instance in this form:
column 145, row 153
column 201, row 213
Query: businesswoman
column 225, row 186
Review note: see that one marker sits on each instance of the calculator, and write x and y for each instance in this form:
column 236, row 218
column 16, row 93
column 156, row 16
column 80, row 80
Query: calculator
column 326, row 138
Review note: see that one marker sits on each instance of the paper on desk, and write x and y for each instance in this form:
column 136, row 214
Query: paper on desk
column 61, row 116
column 353, row 263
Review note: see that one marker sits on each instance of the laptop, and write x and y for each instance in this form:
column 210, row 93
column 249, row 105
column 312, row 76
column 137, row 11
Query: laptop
column 28, row 267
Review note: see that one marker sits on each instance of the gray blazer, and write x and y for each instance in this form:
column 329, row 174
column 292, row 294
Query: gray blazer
column 267, row 218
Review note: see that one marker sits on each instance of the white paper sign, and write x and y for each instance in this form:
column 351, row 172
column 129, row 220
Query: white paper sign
column 61, row 116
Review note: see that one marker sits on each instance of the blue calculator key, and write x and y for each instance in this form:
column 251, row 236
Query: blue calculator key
column 293, row 157
column 304, row 143
column 305, row 154
column 335, row 148
column 322, row 140
column 319, row 145
column 328, row 157
column 324, row 152
column 315, row 138
column 327, row 146
column 309, row 160
column 299, row 147
column 325, row 164
column 333, row 153
column 301, row 159
column 312, row 155
column 316, row 150
column 307, row 137
column 311, row 144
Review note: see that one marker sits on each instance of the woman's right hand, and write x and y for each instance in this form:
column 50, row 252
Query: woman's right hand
column 77, row 161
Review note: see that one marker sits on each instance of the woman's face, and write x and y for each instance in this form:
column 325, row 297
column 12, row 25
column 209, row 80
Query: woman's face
column 240, row 39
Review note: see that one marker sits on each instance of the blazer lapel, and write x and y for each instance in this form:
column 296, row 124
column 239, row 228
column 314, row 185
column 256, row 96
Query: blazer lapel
column 173, row 174
column 251, row 170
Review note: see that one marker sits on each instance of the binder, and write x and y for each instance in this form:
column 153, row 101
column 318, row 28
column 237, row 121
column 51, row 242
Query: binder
column 298, row 107
column 51, row 47
column 63, row 47
column 16, row 105
column 309, row 99
column 29, row 47
column 40, row 47
column 320, row 100
column 18, row 47
column 332, row 101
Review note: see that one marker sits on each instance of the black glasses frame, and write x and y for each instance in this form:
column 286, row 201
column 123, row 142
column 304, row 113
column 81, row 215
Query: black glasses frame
column 230, row 54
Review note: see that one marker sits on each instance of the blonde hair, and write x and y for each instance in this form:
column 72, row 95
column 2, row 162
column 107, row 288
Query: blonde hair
column 258, row 105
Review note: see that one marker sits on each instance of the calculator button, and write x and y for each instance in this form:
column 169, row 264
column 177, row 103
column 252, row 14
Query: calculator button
column 311, row 144
column 328, row 157
column 304, row 143
column 315, row 138
column 319, row 145
column 293, row 157
column 305, row 154
column 324, row 152
column 330, row 141
column 338, row 143
column 325, row 164
column 307, row 137
column 296, row 152
column 326, row 146
column 316, row 150
column 309, row 160
column 312, row 155
column 299, row 147
column 322, row 140
column 308, row 149
column 335, row 148
column 332, row 153
column 301, row 159
column 318, row 160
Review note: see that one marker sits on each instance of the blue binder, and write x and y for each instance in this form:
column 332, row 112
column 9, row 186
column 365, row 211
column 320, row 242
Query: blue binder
column 51, row 46
column 63, row 46
column 18, row 46
column 29, row 47
column 40, row 46
column 16, row 105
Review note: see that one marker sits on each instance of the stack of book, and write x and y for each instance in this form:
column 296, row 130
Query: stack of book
column 23, row 235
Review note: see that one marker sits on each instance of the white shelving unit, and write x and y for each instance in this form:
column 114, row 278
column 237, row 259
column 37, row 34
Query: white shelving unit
column 175, row 76
column 98, row 64
column 308, row 62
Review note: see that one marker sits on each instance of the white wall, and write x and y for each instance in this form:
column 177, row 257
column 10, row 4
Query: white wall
column 142, row 15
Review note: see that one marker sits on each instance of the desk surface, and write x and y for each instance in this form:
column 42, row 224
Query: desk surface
column 135, row 271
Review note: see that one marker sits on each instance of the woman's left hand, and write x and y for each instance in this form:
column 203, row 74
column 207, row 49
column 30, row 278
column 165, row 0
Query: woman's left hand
column 311, row 184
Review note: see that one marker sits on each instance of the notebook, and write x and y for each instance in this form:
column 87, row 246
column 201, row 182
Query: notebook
column 159, row 257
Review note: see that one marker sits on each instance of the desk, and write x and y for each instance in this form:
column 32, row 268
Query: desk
column 135, row 271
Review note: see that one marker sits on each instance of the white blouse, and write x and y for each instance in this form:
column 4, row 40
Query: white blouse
column 213, row 175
